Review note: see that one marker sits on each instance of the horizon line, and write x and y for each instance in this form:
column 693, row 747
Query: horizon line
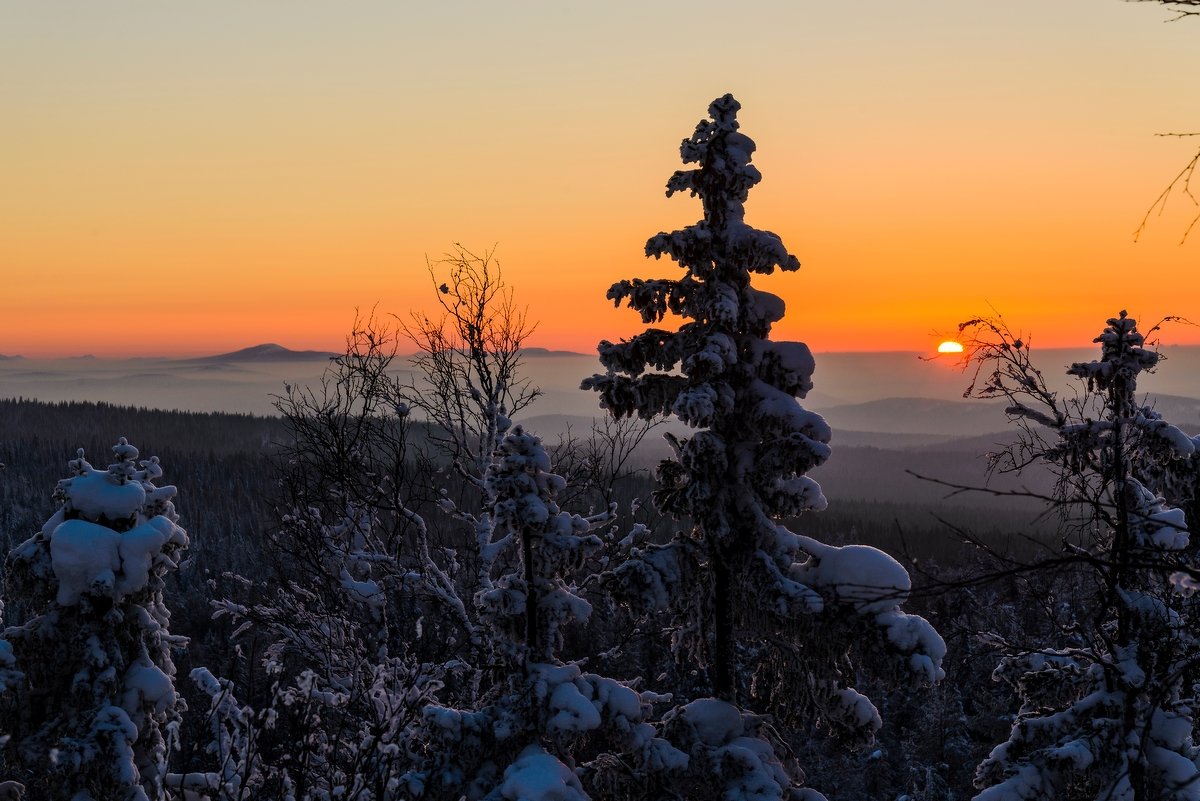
column 209, row 354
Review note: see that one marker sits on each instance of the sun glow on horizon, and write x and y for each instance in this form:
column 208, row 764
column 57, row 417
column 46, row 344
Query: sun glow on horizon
column 950, row 346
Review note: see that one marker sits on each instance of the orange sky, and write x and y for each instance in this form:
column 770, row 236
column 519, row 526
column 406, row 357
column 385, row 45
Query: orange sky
column 201, row 176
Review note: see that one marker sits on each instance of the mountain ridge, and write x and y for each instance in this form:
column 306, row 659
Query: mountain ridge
column 265, row 352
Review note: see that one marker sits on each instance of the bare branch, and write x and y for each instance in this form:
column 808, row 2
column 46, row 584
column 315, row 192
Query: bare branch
column 1182, row 183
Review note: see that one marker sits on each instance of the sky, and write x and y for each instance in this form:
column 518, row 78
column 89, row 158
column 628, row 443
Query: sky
column 199, row 176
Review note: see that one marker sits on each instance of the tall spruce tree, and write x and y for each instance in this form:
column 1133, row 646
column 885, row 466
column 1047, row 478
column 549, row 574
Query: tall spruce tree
column 769, row 614
column 98, row 691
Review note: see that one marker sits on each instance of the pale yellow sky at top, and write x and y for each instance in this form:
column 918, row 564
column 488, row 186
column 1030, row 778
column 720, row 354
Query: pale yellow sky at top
column 200, row 176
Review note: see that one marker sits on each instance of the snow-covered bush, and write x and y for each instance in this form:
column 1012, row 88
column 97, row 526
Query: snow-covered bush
column 1107, row 704
column 100, row 710
column 768, row 615
column 335, row 669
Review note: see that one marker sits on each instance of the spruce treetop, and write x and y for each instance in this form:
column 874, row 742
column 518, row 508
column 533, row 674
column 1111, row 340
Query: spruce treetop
column 719, row 371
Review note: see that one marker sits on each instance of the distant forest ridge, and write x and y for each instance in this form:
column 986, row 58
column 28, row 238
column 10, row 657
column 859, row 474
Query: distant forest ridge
column 266, row 352
column 869, row 480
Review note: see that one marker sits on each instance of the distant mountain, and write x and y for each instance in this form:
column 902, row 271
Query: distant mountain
column 269, row 352
column 919, row 416
column 971, row 424
column 14, row 357
column 535, row 353
column 849, row 438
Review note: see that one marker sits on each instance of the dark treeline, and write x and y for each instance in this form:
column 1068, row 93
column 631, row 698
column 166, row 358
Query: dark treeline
column 224, row 467
column 221, row 463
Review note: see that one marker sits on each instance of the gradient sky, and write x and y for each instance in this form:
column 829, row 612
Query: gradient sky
column 197, row 176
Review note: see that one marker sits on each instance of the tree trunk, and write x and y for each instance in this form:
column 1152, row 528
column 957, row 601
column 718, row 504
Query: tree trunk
column 533, row 651
column 724, row 653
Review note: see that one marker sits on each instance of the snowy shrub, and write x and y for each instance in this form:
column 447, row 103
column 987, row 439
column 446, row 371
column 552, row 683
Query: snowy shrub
column 100, row 711
column 335, row 668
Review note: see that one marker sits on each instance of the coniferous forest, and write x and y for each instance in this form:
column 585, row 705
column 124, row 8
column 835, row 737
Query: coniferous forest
column 393, row 589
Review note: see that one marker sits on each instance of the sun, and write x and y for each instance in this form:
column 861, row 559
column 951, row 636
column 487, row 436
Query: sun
column 950, row 346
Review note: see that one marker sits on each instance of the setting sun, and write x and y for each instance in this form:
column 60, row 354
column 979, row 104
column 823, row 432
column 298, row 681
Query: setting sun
column 950, row 346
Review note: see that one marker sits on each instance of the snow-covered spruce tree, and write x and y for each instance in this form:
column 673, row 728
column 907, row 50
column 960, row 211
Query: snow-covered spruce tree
column 1106, row 708
column 10, row 677
column 771, row 615
column 98, row 688
column 552, row 731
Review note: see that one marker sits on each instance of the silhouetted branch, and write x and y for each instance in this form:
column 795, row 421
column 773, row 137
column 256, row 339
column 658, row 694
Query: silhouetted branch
column 1181, row 182
column 1182, row 8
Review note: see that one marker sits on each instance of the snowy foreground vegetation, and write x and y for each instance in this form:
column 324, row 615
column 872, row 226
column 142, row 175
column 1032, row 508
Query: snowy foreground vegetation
column 446, row 607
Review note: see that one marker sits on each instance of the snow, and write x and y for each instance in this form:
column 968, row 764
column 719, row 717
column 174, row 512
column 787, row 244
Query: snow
column 147, row 685
column 1076, row 753
column 764, row 307
column 365, row 592
column 9, row 676
column 714, row 722
column 95, row 560
column 102, row 496
column 1181, row 444
column 858, row 709
column 863, row 576
column 696, row 406
column 728, row 744
column 570, row 710
column 93, row 580
column 538, row 776
column 788, row 366
column 1027, row 783
column 778, row 412
column 86, row 558
column 718, row 352
column 916, row 636
column 649, row 576
column 804, row 493
column 1185, row 583
column 759, row 776
column 140, row 548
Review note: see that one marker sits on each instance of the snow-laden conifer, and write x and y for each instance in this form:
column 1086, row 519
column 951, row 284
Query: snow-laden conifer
column 98, row 689
column 9, row 675
column 1106, row 709
column 769, row 614
column 545, row 731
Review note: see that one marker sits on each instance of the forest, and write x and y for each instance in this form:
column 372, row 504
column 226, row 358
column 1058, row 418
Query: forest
column 392, row 590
